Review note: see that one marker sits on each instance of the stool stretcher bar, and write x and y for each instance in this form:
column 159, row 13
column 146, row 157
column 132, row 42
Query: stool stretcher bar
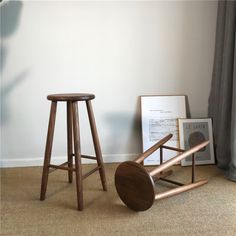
column 89, row 157
column 61, row 167
column 172, row 181
column 162, row 175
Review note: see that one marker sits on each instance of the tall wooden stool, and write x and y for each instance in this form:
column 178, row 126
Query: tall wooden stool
column 73, row 144
column 136, row 186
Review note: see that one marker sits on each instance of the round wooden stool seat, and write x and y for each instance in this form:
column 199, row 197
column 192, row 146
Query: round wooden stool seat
column 71, row 97
column 134, row 186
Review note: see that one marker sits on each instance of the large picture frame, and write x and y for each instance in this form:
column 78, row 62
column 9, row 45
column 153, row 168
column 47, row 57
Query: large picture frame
column 159, row 117
column 193, row 132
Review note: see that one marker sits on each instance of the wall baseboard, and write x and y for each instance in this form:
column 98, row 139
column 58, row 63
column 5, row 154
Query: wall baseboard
column 38, row 161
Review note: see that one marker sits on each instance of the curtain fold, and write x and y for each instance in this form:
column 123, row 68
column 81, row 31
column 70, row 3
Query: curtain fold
column 232, row 165
column 222, row 99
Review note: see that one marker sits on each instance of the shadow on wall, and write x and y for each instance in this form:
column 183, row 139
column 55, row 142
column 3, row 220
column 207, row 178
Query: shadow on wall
column 136, row 130
column 10, row 15
column 124, row 126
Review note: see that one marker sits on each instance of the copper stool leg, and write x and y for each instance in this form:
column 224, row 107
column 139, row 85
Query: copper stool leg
column 48, row 150
column 69, row 140
column 78, row 166
column 148, row 152
column 96, row 145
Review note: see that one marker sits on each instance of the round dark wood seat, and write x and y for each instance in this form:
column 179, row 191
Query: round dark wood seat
column 71, row 97
column 134, row 186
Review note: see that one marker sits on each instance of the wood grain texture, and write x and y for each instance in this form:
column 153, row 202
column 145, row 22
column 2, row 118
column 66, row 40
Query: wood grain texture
column 134, row 186
column 71, row 97
column 48, row 150
column 96, row 144
column 69, row 140
column 78, row 165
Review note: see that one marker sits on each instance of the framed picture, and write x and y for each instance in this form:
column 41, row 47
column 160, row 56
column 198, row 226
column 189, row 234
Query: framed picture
column 193, row 132
column 159, row 115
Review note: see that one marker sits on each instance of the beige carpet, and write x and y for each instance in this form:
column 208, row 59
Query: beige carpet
column 207, row 210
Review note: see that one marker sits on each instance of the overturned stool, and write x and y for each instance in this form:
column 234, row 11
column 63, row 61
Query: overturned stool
column 136, row 186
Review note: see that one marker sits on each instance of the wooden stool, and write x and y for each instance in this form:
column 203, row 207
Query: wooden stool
column 136, row 186
column 72, row 134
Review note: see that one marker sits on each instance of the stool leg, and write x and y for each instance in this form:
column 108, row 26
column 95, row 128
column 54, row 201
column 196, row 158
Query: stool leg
column 69, row 140
column 48, row 150
column 96, row 144
column 78, row 166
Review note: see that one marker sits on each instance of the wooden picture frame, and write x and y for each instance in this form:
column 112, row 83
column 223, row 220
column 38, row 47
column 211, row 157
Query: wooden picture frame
column 193, row 132
column 159, row 117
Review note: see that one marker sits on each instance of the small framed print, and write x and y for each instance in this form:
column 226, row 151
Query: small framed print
column 193, row 132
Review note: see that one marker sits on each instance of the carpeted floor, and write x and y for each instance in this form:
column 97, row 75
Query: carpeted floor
column 207, row 210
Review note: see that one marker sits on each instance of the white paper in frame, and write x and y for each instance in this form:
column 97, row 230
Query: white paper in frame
column 159, row 116
column 193, row 132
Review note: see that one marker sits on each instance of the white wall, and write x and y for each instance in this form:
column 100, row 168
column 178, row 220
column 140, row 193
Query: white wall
column 116, row 50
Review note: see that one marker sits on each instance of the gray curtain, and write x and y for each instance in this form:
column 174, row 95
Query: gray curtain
column 222, row 99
